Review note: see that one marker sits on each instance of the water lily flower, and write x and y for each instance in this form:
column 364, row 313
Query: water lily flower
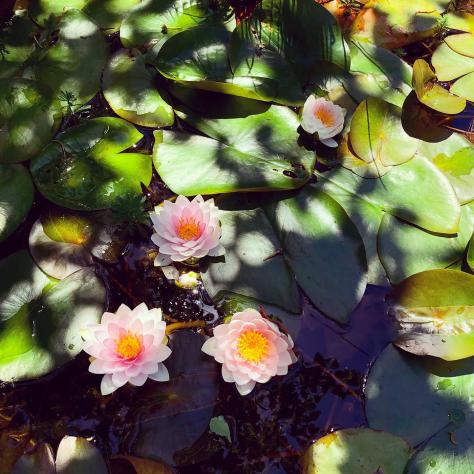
column 186, row 230
column 324, row 117
column 251, row 349
column 128, row 346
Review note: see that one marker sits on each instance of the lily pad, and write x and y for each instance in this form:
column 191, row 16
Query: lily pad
column 367, row 218
column 470, row 253
column 455, row 158
column 155, row 21
column 307, row 233
column 432, row 94
column 16, row 198
column 84, row 169
column 449, row 64
column 377, row 133
column 405, row 249
column 259, row 152
column 434, row 311
column 79, row 456
column 402, row 390
column 462, row 43
column 464, row 87
column 108, row 14
column 356, row 451
column 29, row 118
column 248, row 266
column 79, row 42
column 130, row 89
column 41, row 321
column 58, row 244
column 415, row 191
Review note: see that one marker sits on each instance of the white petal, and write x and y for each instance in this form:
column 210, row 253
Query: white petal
column 162, row 375
column 138, row 380
column 162, row 260
column 245, row 389
column 329, row 142
column 107, row 386
column 209, row 346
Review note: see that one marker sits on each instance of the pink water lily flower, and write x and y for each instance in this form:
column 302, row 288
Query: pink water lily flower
column 324, row 117
column 128, row 346
column 251, row 349
column 186, row 229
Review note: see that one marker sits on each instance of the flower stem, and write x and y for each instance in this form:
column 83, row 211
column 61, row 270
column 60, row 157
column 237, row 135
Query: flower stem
column 186, row 324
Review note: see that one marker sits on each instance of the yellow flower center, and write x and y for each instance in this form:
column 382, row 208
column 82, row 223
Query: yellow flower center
column 129, row 346
column 326, row 116
column 252, row 346
column 188, row 229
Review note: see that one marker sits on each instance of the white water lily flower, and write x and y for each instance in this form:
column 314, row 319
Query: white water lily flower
column 323, row 117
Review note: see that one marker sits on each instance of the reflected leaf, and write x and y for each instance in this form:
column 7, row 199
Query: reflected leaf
column 434, row 311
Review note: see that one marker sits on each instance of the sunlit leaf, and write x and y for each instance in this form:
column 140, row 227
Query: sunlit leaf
column 432, row 94
column 84, row 169
column 405, row 249
column 41, row 460
column 377, row 134
column 356, row 451
column 415, row 191
column 449, row 64
column 130, row 89
column 259, row 152
column 41, row 322
column 464, row 87
column 79, row 456
column 16, row 197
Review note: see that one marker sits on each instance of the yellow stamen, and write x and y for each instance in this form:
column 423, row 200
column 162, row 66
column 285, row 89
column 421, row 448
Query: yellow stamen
column 129, row 346
column 325, row 115
column 252, row 346
column 188, row 229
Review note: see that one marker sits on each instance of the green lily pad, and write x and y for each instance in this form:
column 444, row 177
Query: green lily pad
column 367, row 218
column 435, row 312
column 450, row 64
column 29, row 118
column 462, row 43
column 405, row 249
column 415, row 191
column 368, row 58
column 214, row 105
column 470, row 254
column 357, row 451
column 79, row 456
column 432, row 94
column 130, row 89
column 377, row 133
column 455, row 158
column 464, row 87
column 84, row 169
column 16, row 44
column 259, row 152
column 155, row 21
column 280, row 48
column 58, row 244
column 62, row 65
column 403, row 390
column 248, row 266
column 41, row 321
column 307, row 233
column 108, row 14
column 16, row 198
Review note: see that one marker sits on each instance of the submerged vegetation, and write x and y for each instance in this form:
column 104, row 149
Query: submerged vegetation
column 253, row 219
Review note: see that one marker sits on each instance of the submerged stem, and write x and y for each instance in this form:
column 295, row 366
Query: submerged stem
column 187, row 324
